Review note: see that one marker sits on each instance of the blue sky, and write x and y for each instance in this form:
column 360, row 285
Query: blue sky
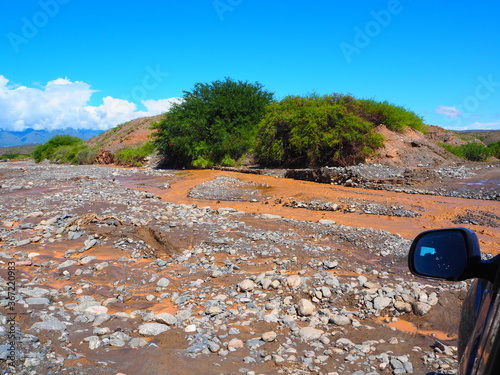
column 95, row 64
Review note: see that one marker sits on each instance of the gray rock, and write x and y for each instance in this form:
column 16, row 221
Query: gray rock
column 225, row 210
column 269, row 336
column 340, row 320
column 152, row 329
column 362, row 280
column 101, row 318
column 213, row 346
column 270, row 217
column 101, row 266
column 246, row 285
column 421, row 308
column 402, row 306
column 49, row 325
column 380, row 303
column 305, row 307
column 165, row 318
column 67, row 263
column 326, row 292
column 326, row 222
column 37, row 301
column 94, row 342
column 331, row 264
column 87, row 259
column 137, row 342
column 163, row 282
column 23, row 242
column 90, row 243
column 310, row 333
column 294, row 281
column 344, row 343
column 235, row 344
column 213, row 310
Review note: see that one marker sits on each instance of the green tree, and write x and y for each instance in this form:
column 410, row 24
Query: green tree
column 215, row 124
column 476, row 152
column 494, row 148
column 314, row 131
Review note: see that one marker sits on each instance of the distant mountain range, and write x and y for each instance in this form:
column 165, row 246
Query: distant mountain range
column 31, row 136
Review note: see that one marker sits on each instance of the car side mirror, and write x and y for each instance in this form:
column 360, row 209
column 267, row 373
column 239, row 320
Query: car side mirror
column 448, row 254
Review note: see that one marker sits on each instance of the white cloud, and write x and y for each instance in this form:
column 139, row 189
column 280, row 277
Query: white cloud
column 450, row 112
column 160, row 106
column 62, row 103
column 483, row 126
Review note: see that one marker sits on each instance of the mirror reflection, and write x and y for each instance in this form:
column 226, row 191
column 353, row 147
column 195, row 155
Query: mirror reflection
column 441, row 254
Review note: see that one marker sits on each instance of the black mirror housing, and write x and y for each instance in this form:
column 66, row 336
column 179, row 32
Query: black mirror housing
column 447, row 254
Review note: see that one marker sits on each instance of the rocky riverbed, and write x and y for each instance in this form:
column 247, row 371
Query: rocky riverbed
column 141, row 271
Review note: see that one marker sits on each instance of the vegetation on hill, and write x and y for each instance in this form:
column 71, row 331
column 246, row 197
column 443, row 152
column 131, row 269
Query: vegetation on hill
column 65, row 149
column 494, row 148
column 326, row 130
column 218, row 123
column 13, row 156
column 472, row 151
column 135, row 155
column 215, row 124
column 16, row 152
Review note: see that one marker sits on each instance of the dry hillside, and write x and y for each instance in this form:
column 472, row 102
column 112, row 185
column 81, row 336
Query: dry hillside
column 131, row 133
column 412, row 148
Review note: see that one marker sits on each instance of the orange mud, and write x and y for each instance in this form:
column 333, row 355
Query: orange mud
column 410, row 328
column 436, row 211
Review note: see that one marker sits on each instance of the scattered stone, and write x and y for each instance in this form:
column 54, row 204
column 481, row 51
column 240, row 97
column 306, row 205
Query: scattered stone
column 49, row 325
column 340, row 320
column 269, row 336
column 380, row 303
column 294, row 281
column 163, row 282
column 306, row 307
column 235, row 344
column 165, row 318
column 421, row 308
column 310, row 333
column 246, row 285
column 152, row 329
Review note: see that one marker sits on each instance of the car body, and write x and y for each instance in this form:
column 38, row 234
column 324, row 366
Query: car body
column 453, row 254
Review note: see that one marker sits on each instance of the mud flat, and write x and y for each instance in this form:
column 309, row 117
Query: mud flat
column 107, row 271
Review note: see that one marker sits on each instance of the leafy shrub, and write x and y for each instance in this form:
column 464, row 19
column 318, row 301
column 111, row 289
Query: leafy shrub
column 314, row 131
column 13, row 156
column 215, row 124
column 65, row 149
column 392, row 116
column 135, row 155
column 476, row 152
column 494, row 148
column 87, row 155
column 49, row 149
column 471, row 151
